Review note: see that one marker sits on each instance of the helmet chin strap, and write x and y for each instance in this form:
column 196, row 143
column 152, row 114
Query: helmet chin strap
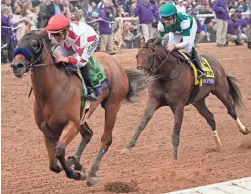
column 66, row 31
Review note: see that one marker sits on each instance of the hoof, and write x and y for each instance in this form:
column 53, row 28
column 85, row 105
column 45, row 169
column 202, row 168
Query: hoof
column 55, row 169
column 79, row 175
column 245, row 132
column 78, row 166
column 219, row 147
column 125, row 151
column 91, row 181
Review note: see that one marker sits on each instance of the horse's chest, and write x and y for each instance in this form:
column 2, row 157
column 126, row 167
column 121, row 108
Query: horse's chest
column 52, row 112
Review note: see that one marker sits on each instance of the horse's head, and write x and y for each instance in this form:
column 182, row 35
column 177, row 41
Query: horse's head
column 28, row 54
column 148, row 58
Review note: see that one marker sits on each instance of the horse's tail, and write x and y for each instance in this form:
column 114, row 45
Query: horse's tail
column 235, row 91
column 137, row 83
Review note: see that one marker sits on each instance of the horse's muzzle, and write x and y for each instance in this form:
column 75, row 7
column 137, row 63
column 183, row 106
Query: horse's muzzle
column 18, row 69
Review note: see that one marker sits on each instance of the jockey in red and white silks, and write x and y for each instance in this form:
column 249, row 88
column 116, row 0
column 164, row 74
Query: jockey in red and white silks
column 80, row 43
column 77, row 42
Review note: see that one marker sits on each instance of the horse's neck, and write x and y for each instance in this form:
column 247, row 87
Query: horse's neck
column 44, row 80
column 169, row 65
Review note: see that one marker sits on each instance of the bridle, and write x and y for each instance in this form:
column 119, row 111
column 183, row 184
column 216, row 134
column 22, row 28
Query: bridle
column 37, row 62
column 154, row 66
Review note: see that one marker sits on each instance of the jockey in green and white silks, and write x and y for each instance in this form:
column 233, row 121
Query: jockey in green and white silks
column 180, row 26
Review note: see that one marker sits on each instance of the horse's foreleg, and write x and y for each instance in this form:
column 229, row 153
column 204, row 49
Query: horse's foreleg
column 178, row 118
column 152, row 105
column 203, row 110
column 50, row 144
column 68, row 133
column 86, row 134
column 111, row 111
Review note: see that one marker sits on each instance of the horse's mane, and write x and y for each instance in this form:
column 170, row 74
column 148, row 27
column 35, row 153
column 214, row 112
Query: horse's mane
column 45, row 36
column 155, row 42
column 158, row 42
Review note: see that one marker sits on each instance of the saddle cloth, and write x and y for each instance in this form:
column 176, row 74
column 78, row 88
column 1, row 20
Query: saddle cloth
column 210, row 78
column 99, row 81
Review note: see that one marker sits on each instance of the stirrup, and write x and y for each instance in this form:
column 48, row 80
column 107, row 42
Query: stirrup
column 91, row 95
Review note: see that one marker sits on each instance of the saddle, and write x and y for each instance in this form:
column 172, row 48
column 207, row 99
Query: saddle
column 198, row 82
column 209, row 80
column 98, row 78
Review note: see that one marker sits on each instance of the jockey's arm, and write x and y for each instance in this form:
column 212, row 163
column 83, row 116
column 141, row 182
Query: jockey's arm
column 87, row 47
column 185, row 26
column 184, row 43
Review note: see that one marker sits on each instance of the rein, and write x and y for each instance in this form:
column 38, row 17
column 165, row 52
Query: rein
column 151, row 70
column 161, row 62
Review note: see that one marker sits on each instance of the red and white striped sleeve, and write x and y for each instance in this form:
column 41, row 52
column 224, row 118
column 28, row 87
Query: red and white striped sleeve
column 85, row 45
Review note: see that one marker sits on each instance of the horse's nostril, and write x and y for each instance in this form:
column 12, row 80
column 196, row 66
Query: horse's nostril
column 20, row 65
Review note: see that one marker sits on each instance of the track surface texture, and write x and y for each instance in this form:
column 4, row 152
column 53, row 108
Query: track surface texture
column 150, row 167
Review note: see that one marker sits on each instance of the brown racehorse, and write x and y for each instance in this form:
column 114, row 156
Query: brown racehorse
column 57, row 106
column 173, row 85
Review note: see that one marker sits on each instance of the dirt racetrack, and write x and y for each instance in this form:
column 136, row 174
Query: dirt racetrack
column 150, row 168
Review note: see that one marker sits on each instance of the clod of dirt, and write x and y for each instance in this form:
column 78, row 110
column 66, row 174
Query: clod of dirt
column 246, row 144
column 119, row 187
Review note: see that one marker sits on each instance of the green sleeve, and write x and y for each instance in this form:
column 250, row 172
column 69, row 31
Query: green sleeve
column 186, row 32
column 161, row 34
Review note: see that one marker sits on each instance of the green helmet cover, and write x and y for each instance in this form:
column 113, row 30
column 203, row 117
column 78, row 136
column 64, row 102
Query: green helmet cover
column 168, row 9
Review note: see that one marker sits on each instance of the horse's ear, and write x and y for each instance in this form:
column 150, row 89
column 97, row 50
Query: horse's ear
column 157, row 41
column 44, row 34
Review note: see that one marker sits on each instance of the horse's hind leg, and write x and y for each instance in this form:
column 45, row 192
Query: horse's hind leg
column 203, row 110
column 86, row 134
column 152, row 106
column 111, row 111
column 68, row 133
column 225, row 98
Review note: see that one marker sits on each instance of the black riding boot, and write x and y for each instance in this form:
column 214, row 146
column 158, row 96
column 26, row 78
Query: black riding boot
column 249, row 45
column 197, row 62
column 91, row 94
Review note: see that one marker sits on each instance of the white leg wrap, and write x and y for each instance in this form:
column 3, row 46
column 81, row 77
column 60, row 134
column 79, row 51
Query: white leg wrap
column 240, row 125
column 217, row 139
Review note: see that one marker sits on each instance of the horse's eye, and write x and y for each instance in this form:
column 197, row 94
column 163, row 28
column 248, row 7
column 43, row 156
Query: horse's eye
column 35, row 45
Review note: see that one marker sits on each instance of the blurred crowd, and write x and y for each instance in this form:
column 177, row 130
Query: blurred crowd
column 140, row 19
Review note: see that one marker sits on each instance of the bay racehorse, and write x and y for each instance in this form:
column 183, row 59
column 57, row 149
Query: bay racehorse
column 57, row 106
column 174, row 86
